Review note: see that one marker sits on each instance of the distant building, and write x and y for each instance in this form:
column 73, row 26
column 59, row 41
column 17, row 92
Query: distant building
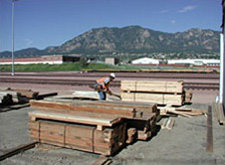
column 199, row 62
column 145, row 60
column 53, row 59
column 111, row 61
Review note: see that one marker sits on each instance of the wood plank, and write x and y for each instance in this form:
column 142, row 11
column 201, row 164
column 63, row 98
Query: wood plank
column 179, row 113
column 168, row 124
column 75, row 107
column 80, row 113
column 209, row 146
column 221, row 113
column 73, row 118
column 44, row 95
column 214, row 110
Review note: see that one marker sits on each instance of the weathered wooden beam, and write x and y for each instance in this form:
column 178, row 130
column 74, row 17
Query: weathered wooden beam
column 209, row 146
column 42, row 96
column 16, row 150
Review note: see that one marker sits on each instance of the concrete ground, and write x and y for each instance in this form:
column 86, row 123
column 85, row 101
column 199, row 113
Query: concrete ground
column 184, row 144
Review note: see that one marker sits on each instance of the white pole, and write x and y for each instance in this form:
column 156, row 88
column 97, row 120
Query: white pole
column 13, row 1
column 221, row 67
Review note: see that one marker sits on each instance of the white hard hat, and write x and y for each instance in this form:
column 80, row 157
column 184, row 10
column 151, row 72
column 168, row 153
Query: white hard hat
column 112, row 75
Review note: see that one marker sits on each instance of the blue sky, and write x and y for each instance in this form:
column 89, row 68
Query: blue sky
column 43, row 23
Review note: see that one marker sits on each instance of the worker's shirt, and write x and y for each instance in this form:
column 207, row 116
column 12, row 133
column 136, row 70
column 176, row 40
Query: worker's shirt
column 104, row 82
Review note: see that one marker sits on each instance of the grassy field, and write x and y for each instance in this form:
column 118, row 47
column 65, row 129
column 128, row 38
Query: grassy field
column 56, row 67
column 97, row 67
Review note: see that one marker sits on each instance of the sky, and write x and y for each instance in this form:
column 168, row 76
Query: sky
column 43, row 23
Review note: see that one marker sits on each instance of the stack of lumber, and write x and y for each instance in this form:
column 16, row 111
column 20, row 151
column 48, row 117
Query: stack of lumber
column 26, row 93
column 5, row 98
column 218, row 111
column 11, row 97
column 20, row 95
column 95, row 126
column 160, row 92
column 81, row 137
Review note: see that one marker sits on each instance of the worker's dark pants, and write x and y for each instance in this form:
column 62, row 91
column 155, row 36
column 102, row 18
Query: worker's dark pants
column 102, row 95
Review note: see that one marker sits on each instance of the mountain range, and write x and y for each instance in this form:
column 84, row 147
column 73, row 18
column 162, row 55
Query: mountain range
column 130, row 39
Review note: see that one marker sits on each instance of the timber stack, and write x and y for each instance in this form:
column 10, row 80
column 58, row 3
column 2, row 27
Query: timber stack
column 10, row 96
column 5, row 98
column 101, row 127
column 160, row 92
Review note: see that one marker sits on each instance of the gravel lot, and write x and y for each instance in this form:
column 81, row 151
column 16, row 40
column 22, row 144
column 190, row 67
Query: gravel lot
column 184, row 144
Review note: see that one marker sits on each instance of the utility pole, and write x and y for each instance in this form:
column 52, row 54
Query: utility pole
column 222, row 62
column 221, row 68
column 13, row 3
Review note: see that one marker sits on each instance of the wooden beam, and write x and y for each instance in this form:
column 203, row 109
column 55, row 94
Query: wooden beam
column 16, row 150
column 209, row 146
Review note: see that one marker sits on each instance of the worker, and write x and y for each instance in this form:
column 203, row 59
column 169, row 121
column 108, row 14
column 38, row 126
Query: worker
column 102, row 86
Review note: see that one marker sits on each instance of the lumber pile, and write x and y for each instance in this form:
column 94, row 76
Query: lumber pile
column 81, row 137
column 11, row 95
column 160, row 92
column 27, row 93
column 101, row 127
column 5, row 98
column 218, row 111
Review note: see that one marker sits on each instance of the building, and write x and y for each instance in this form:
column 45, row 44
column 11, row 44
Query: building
column 110, row 60
column 53, row 59
column 197, row 62
column 146, row 60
